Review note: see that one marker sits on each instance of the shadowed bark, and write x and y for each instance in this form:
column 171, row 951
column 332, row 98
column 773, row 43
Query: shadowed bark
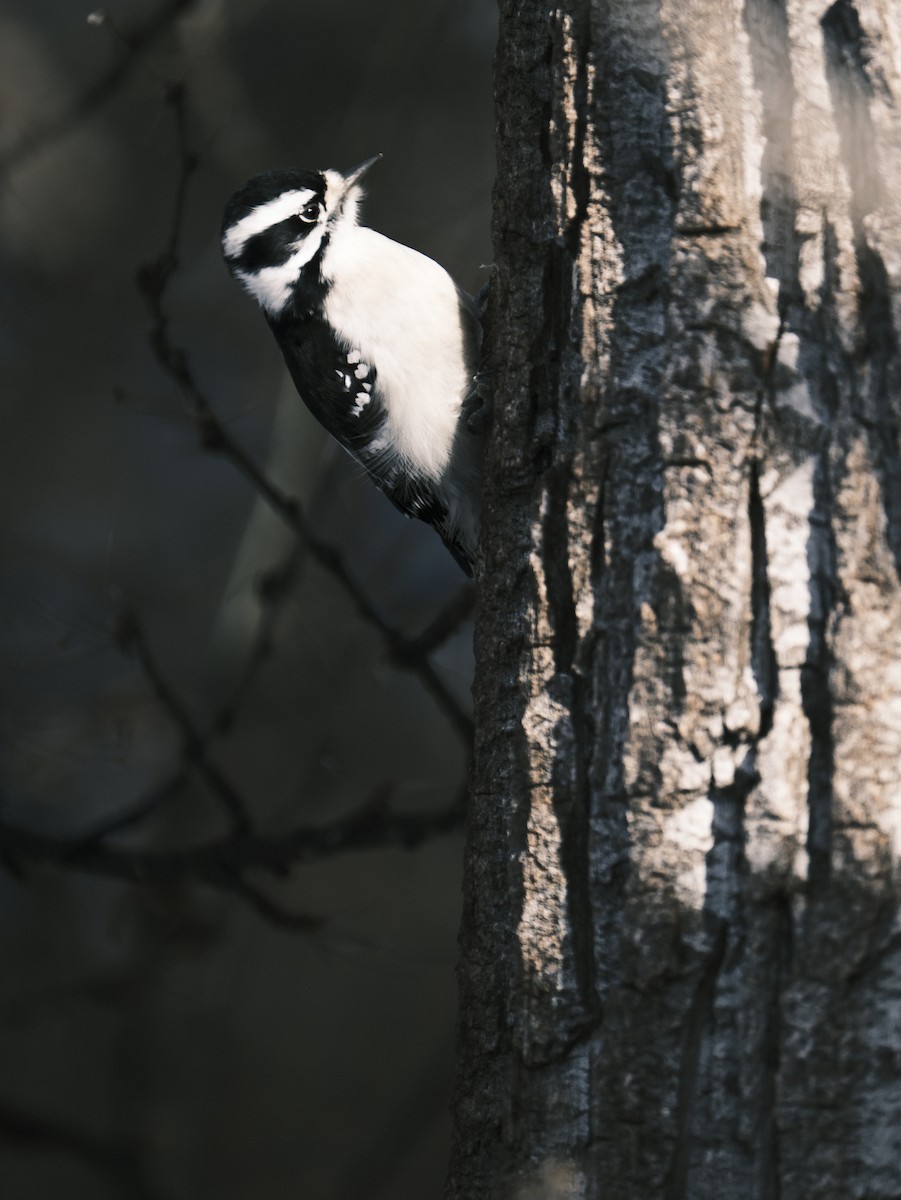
column 681, row 962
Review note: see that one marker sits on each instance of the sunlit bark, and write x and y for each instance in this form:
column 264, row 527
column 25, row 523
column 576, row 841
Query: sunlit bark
column 681, row 962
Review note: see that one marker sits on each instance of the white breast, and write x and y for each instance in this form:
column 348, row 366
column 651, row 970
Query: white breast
column 401, row 311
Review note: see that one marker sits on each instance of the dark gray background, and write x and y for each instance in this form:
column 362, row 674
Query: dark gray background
column 168, row 1042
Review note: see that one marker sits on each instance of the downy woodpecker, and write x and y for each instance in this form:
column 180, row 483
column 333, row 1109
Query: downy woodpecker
column 381, row 344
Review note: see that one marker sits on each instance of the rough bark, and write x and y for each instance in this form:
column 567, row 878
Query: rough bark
column 681, row 948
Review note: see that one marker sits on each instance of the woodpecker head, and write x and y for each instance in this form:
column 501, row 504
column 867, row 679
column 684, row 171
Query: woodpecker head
column 277, row 225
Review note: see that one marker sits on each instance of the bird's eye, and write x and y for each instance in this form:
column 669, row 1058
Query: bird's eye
column 310, row 212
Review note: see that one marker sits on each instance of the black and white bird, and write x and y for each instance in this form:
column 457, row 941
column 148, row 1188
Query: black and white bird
column 380, row 342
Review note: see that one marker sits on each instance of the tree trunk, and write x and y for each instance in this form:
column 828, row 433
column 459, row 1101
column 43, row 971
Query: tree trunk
column 681, row 948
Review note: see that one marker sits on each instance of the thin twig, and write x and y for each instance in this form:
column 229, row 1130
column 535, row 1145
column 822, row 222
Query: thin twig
column 139, row 811
column 223, row 858
column 274, row 914
column 223, row 862
column 131, row 637
column 273, row 587
column 444, row 625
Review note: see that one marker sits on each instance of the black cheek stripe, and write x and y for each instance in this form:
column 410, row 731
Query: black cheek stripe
column 273, row 246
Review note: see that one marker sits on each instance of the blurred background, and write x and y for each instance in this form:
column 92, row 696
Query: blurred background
column 253, row 1035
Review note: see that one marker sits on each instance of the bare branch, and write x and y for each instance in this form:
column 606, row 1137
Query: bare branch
column 140, row 810
column 224, row 862
column 444, row 625
column 131, row 637
column 273, row 587
column 224, row 858
column 274, row 914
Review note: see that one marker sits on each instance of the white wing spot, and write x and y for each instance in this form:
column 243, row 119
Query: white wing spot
column 362, row 370
column 362, row 399
column 353, row 356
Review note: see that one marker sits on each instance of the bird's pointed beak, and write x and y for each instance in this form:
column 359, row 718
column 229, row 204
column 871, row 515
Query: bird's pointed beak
column 355, row 174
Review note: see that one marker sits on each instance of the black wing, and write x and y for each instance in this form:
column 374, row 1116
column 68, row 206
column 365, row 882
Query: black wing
column 336, row 385
column 416, row 496
column 341, row 390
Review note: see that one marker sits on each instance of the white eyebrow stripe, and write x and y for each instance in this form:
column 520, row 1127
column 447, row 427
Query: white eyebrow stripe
column 270, row 213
